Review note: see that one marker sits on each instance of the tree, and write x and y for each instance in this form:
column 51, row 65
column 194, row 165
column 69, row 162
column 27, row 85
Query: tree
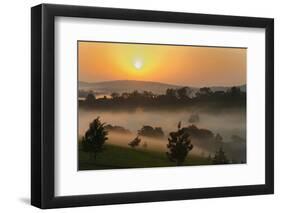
column 115, row 95
column 184, row 93
column 94, row 138
column 209, row 158
column 135, row 142
column 220, row 157
column 158, row 132
column 206, row 90
column 135, row 94
column 179, row 146
column 234, row 91
column 148, row 94
column 149, row 131
column 171, row 93
column 90, row 99
column 125, row 95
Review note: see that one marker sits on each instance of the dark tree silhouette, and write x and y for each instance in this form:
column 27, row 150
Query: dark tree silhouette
column 184, row 93
column 234, row 91
column 90, row 99
column 158, row 132
column 209, row 158
column 173, row 98
column 125, row 95
column 94, row 138
column 135, row 94
column 149, row 131
column 220, row 157
column 179, row 146
column 171, row 93
column 148, row 94
column 206, row 91
column 195, row 132
column 117, row 129
column 115, row 95
column 135, row 142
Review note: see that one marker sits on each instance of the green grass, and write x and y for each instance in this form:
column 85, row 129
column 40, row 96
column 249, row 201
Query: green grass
column 117, row 157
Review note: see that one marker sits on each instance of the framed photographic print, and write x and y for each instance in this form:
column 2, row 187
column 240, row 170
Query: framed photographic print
column 140, row 106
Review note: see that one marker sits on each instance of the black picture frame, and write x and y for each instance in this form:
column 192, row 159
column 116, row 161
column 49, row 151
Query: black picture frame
column 43, row 102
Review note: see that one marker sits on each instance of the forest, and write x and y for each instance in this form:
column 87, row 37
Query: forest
column 184, row 97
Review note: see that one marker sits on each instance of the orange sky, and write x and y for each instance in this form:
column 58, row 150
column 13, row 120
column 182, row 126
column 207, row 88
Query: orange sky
column 181, row 65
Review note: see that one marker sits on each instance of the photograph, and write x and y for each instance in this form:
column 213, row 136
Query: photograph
column 140, row 105
column 160, row 105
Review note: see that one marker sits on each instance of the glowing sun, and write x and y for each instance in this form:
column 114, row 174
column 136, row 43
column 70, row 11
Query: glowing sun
column 138, row 63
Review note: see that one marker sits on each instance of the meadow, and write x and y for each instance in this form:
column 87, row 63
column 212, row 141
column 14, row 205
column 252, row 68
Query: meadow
column 117, row 157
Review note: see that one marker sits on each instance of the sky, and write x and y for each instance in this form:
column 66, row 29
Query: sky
column 180, row 65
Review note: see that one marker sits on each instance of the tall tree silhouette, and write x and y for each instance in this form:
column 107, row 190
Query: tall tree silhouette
column 220, row 157
column 94, row 138
column 179, row 146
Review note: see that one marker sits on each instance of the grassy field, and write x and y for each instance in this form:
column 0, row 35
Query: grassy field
column 116, row 157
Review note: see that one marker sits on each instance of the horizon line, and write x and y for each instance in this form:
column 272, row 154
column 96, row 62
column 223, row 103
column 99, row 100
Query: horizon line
column 172, row 84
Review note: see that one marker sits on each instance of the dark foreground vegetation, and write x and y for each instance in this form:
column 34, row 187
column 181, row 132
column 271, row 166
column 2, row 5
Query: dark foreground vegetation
column 95, row 153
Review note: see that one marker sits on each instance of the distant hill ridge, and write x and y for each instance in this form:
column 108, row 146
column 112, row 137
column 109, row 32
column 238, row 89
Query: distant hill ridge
column 131, row 85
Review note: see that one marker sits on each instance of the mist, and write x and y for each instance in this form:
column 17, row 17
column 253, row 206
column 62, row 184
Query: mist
column 226, row 123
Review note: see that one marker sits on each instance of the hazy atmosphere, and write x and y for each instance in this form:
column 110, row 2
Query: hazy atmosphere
column 179, row 65
column 143, row 105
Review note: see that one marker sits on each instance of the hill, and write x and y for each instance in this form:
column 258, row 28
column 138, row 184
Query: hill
column 120, row 86
column 117, row 157
column 127, row 86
